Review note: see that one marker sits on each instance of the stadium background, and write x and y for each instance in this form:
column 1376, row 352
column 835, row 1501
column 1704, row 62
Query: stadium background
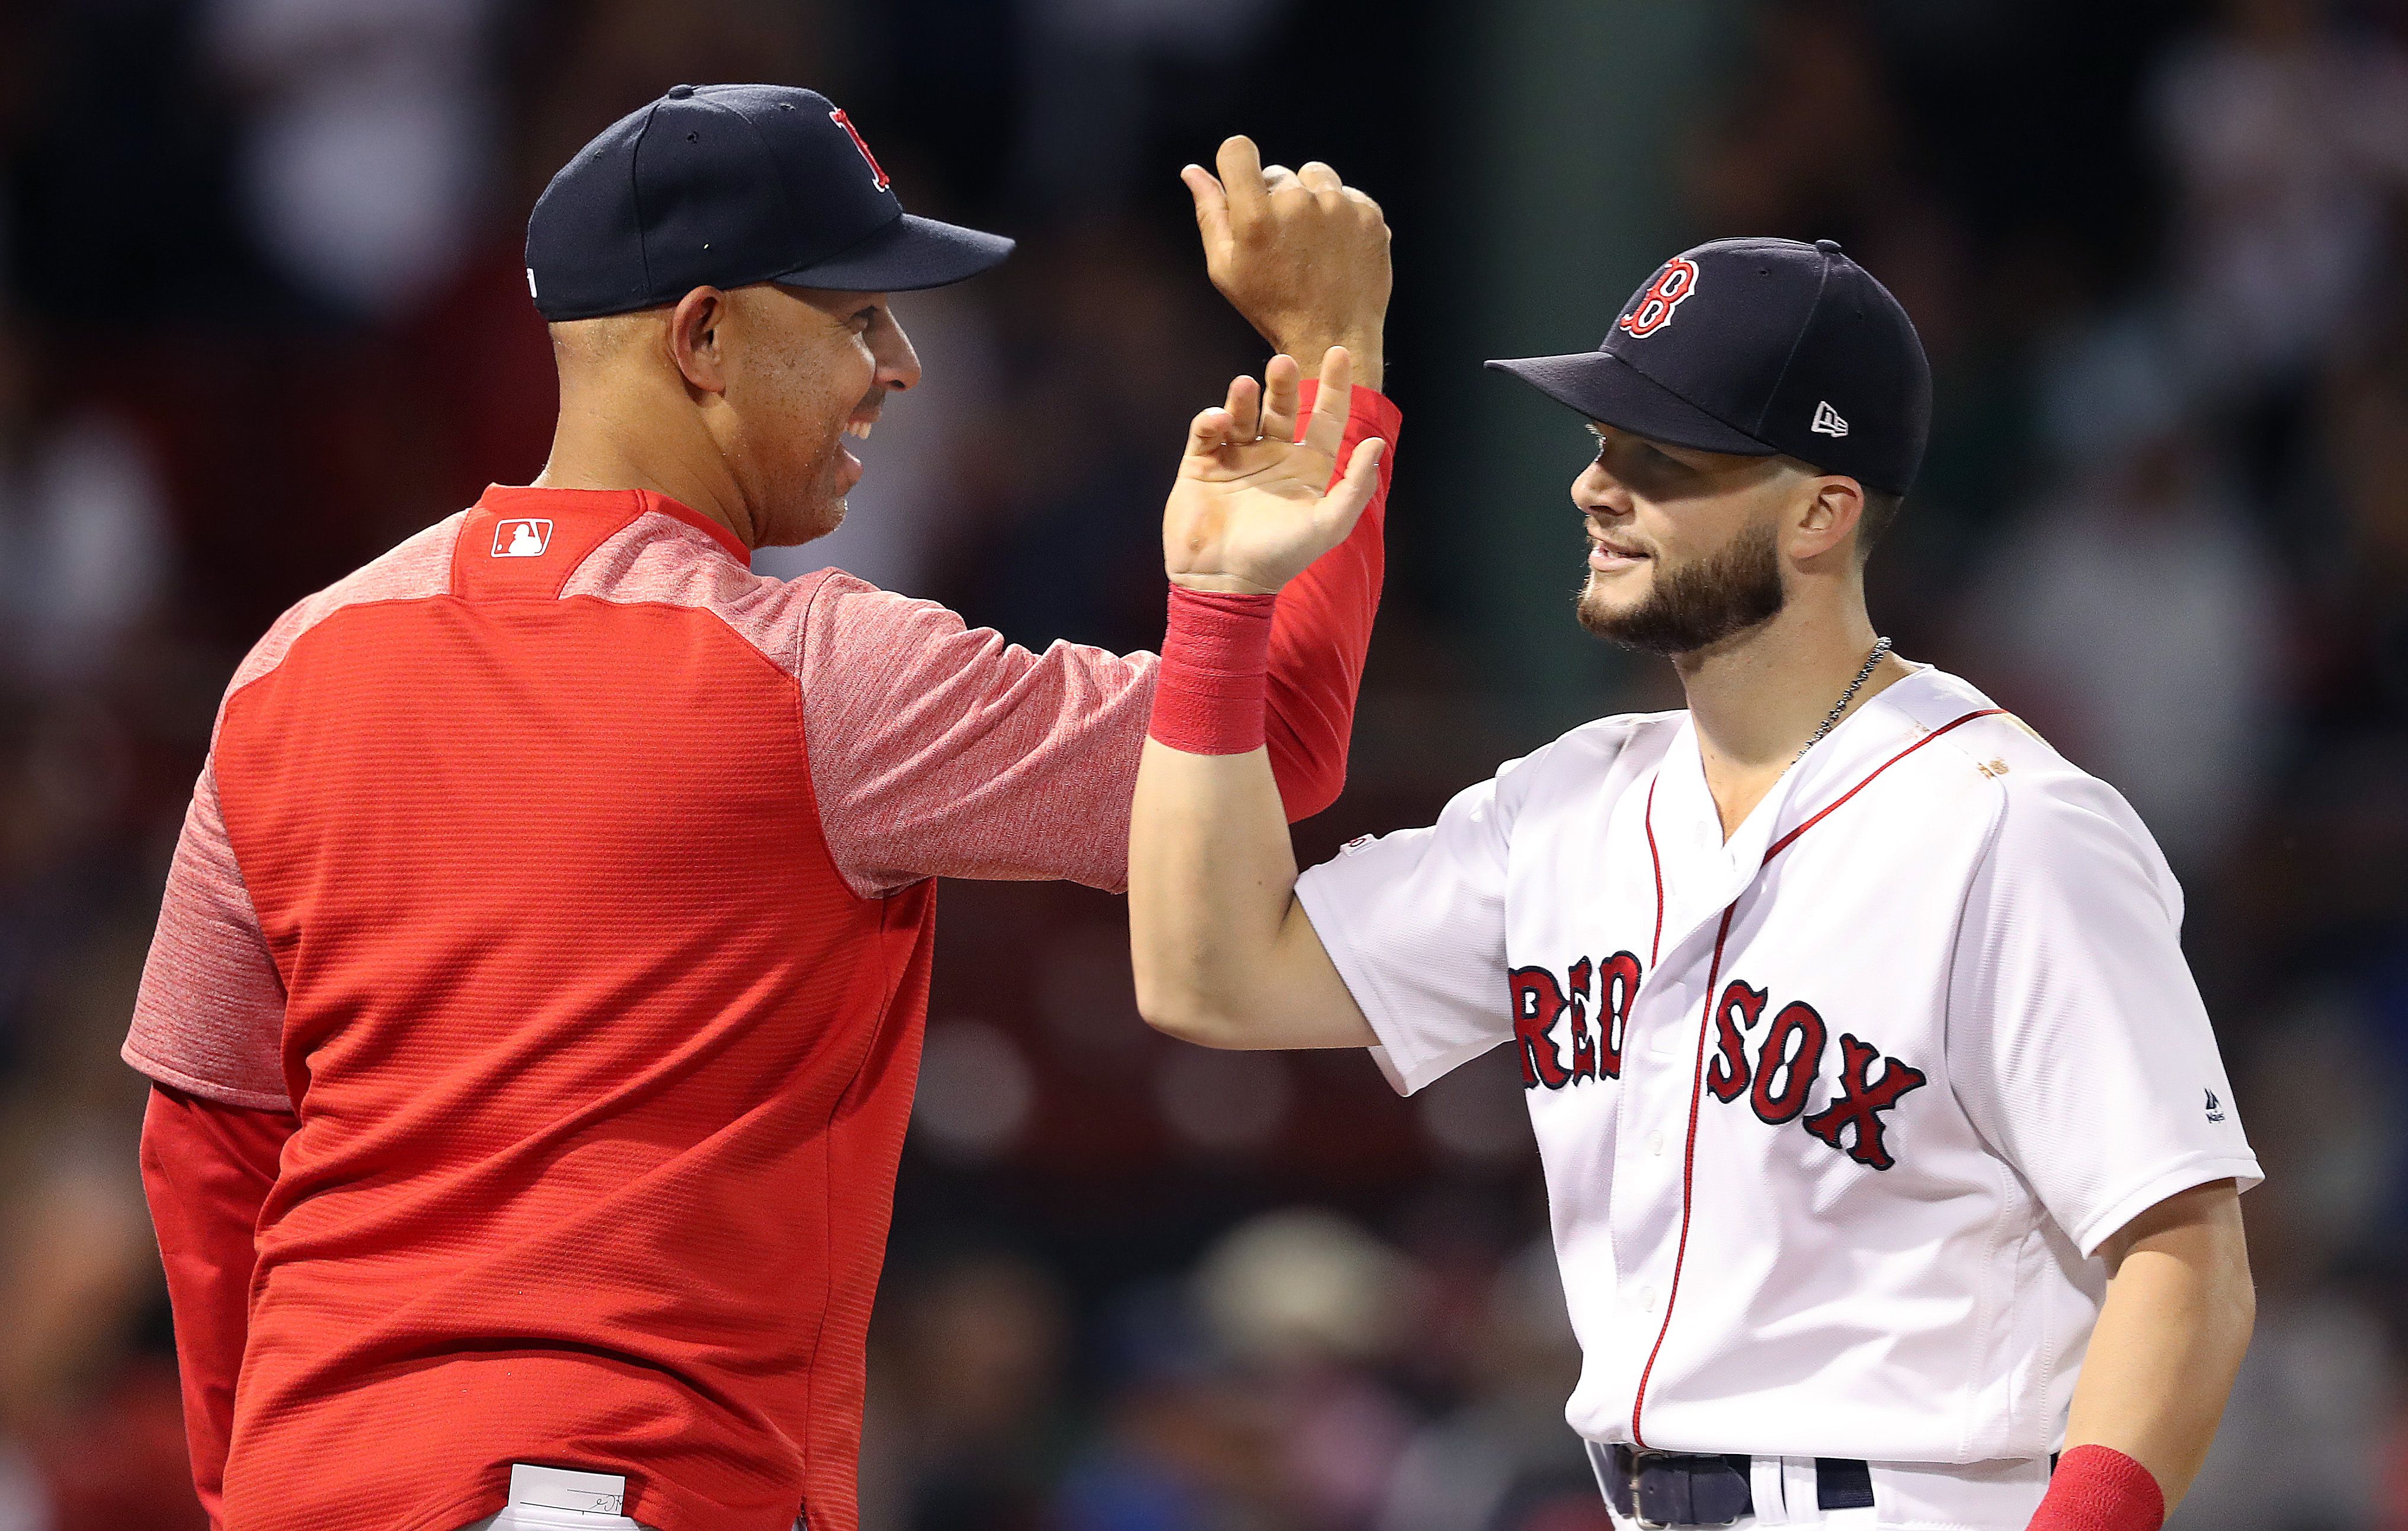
column 261, row 316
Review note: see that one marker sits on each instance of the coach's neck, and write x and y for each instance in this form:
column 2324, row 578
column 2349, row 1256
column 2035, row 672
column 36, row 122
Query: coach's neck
column 628, row 419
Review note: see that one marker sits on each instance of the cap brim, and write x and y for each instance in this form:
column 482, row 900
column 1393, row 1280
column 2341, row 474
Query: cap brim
column 904, row 256
column 1611, row 392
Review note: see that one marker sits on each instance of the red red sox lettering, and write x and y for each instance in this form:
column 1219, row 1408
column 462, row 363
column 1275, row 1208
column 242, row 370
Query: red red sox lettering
column 1788, row 1053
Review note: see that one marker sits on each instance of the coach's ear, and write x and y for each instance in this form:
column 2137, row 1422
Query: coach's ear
column 1829, row 507
column 695, row 340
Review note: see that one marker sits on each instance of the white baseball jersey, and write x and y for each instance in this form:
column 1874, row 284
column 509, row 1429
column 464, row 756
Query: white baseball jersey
column 1835, row 1114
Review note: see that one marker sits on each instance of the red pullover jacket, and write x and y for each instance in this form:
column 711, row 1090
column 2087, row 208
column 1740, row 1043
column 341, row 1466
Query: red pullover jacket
column 537, row 995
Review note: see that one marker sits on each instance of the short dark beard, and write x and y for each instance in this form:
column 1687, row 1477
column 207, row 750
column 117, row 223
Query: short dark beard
column 1701, row 603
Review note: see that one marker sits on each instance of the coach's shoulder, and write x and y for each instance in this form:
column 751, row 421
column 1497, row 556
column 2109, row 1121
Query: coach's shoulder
column 848, row 624
column 418, row 567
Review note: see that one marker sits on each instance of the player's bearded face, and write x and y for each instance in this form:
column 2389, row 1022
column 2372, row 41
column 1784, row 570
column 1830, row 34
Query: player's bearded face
column 1694, row 603
column 1689, row 556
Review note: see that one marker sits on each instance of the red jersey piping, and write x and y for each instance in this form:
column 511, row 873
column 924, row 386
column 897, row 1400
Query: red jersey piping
column 1784, row 843
column 1705, row 1025
column 1688, row 1168
column 1656, row 947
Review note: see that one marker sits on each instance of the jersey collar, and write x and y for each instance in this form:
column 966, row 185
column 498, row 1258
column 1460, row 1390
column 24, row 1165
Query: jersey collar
column 1703, row 872
column 616, row 506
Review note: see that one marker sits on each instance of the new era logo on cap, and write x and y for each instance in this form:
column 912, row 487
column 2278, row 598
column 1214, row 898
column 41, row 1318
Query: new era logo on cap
column 1828, row 420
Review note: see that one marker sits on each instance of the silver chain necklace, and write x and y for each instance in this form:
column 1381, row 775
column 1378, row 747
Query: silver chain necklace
column 1880, row 647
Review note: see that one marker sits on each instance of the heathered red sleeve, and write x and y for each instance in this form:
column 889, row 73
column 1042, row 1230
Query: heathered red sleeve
column 206, row 1169
column 941, row 750
column 1322, row 629
column 209, row 1016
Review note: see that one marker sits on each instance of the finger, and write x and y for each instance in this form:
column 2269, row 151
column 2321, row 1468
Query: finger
column 1279, row 178
column 1327, row 429
column 1279, row 398
column 1357, row 194
column 1316, row 177
column 1209, row 431
column 1241, row 177
column 1211, row 206
column 1245, row 409
column 1343, row 505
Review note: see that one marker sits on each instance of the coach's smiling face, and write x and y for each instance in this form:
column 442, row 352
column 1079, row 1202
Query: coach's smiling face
column 735, row 400
column 1686, row 548
column 799, row 370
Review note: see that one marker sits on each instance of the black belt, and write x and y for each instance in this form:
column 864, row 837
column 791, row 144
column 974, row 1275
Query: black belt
column 1672, row 1489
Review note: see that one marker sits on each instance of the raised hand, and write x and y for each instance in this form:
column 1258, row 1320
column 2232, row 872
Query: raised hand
column 1249, row 511
column 1300, row 253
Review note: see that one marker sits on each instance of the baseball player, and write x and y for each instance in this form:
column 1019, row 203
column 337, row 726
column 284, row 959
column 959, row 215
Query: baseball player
column 1890, row 1160
column 537, row 995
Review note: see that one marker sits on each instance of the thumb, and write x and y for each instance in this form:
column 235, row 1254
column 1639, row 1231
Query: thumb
column 1343, row 505
column 1212, row 207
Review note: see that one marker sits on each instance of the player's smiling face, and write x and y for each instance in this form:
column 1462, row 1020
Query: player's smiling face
column 1684, row 546
column 816, row 366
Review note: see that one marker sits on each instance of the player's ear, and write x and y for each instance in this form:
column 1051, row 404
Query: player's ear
column 1828, row 515
column 695, row 340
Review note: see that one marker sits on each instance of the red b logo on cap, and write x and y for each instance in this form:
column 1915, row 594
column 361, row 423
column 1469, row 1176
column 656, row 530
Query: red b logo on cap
column 1676, row 282
column 841, row 120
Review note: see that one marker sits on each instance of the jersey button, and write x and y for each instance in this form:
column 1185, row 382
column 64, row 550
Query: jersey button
column 1655, row 1143
column 1647, row 1299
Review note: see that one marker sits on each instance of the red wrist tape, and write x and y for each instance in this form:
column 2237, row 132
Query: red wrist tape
column 1216, row 655
column 2097, row 1488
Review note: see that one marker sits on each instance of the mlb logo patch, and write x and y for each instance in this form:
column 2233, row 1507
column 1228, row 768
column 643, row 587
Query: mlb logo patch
column 521, row 538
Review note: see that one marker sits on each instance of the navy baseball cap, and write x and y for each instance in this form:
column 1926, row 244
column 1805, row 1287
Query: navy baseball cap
column 725, row 186
column 1760, row 346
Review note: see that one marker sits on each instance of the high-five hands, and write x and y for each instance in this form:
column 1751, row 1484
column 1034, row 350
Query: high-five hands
column 1249, row 511
column 1300, row 253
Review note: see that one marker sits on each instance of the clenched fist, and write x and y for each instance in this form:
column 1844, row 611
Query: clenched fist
column 1300, row 253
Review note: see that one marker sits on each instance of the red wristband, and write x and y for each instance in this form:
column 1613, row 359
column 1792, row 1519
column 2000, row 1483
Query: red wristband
column 2097, row 1488
column 1216, row 655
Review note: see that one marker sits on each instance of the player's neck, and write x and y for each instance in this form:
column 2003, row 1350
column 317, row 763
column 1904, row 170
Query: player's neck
column 1758, row 697
column 601, row 442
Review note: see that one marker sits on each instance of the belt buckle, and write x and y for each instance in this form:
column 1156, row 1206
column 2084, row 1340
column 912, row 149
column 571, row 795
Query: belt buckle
column 1640, row 1457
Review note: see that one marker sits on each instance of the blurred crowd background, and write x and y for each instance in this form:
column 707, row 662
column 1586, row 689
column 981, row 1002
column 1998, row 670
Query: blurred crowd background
column 262, row 315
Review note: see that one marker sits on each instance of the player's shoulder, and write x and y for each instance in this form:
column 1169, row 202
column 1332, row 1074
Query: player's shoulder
column 1596, row 759
column 2045, row 808
column 1967, row 729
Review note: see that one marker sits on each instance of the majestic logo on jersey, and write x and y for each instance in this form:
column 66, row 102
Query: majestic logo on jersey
column 1788, row 1056
column 1539, row 1000
column 1669, row 290
column 2215, row 1107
